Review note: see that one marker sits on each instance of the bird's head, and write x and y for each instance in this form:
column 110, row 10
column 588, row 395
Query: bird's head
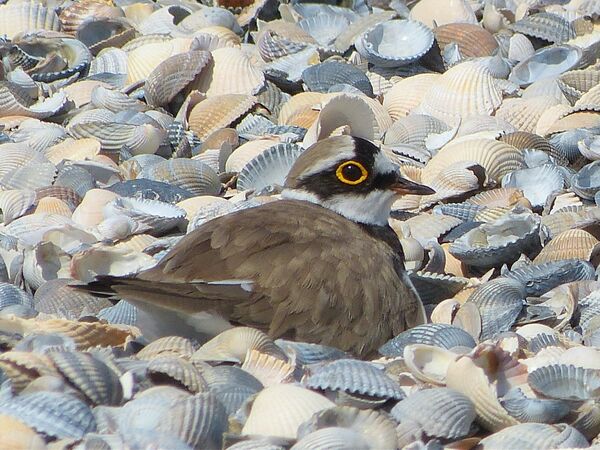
column 351, row 176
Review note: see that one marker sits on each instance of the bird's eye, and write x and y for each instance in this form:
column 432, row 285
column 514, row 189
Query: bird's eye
column 351, row 172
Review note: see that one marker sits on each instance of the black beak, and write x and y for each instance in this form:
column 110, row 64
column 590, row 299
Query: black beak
column 403, row 186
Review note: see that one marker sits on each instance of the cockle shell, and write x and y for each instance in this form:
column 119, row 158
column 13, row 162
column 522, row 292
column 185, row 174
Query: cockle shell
column 464, row 90
column 408, row 93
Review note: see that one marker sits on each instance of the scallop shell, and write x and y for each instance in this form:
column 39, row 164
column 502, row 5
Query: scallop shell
column 414, row 130
column 51, row 413
column 193, row 176
column 347, row 37
column 233, row 345
column 535, row 435
column 279, row 410
column 167, row 346
column 575, row 83
column 90, row 210
column 474, row 375
column 269, row 167
column 25, row 16
column 230, row 72
column 355, row 377
column 407, row 94
column 439, row 335
column 541, row 278
column 372, row 426
column 58, row 298
column 173, row 75
column 11, row 98
column 548, row 62
column 100, row 33
column 164, row 20
column 464, row 90
column 565, row 382
column 547, row 26
column 395, row 43
column 493, row 244
column 473, row 41
column 570, row 244
column 268, row 369
column 24, row 367
column 497, row 158
column 84, row 334
column 16, row 203
column 217, row 112
column 305, row 353
column 439, row 412
column 95, row 379
column 586, row 182
column 428, row 363
column 324, row 28
column 74, row 15
column 500, row 302
column 141, row 61
column 524, row 114
column 527, row 409
column 321, row 77
column 159, row 217
column 537, row 194
column 428, row 12
column 176, row 371
column 523, row 140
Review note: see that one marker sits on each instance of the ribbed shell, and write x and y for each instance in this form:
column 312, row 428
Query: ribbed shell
column 321, row 77
column 537, row 183
column 498, row 158
column 473, row 41
column 51, row 413
column 464, row 90
column 440, row 412
column 570, row 244
column 218, row 112
column 12, row 295
column 500, row 302
column 357, row 377
column 523, row 140
column 231, row 385
column 547, row 26
column 565, row 382
column 230, row 72
column 306, row 353
column 535, row 436
column 167, row 346
column 526, row 409
column 193, row 176
column 499, row 242
column 178, row 371
column 541, row 278
column 407, row 94
column 524, row 113
column 56, row 297
column 414, row 130
column 172, row 75
column 98, row 382
column 576, row 82
column 437, row 334
column 122, row 313
column 279, row 410
column 547, row 62
column 26, row 16
column 269, row 167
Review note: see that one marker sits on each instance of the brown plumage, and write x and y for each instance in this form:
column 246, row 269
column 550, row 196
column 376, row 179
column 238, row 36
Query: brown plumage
column 293, row 268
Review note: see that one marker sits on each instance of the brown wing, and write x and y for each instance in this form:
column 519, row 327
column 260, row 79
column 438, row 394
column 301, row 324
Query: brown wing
column 315, row 275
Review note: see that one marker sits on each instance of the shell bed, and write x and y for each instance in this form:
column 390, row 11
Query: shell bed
column 126, row 124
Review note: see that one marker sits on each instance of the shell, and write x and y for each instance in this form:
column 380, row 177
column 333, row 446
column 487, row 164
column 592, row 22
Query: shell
column 535, row 435
column 158, row 217
column 395, row 43
column 547, row 62
column 439, row 412
column 541, row 278
column 230, row 72
column 585, row 181
column 439, row 335
column 500, row 302
column 501, row 241
column 268, row 369
column 173, row 75
column 193, row 176
column 306, row 353
column 167, row 346
column 428, row 363
column 570, row 244
column 166, row 369
column 473, row 41
column 527, row 409
column 524, row 114
column 355, row 377
column 538, row 193
column 25, row 16
column 233, row 345
column 464, row 90
column 268, row 168
column 565, row 382
column 546, row 26
column 428, row 12
column 321, row 77
column 51, row 413
column 407, row 94
column 58, row 298
column 217, row 112
column 279, row 410
column 14, row 434
column 99, row 383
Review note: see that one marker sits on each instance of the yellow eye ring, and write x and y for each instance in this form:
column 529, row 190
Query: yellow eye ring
column 350, row 166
